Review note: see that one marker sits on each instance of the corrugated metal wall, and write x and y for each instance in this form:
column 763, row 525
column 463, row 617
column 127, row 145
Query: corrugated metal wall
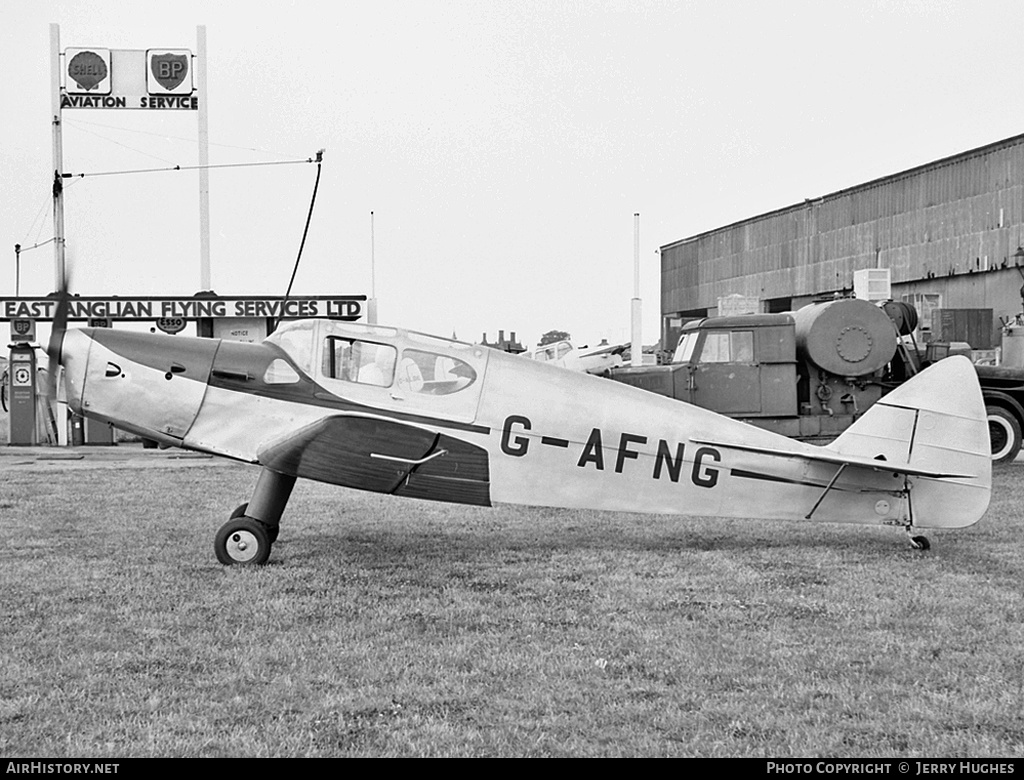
column 958, row 215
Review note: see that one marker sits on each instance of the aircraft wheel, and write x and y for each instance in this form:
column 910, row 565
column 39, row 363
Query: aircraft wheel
column 1005, row 433
column 272, row 530
column 242, row 541
column 920, row 542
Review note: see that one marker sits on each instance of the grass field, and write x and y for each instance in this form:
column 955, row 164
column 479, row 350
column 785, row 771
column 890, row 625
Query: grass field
column 390, row 627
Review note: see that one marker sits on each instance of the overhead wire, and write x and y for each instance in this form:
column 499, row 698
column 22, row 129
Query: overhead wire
column 124, row 146
column 179, row 138
column 305, row 231
column 318, row 159
column 188, row 168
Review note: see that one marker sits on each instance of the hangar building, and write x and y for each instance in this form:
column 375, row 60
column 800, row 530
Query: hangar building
column 949, row 232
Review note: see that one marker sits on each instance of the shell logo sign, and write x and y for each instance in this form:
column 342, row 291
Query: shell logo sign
column 88, row 71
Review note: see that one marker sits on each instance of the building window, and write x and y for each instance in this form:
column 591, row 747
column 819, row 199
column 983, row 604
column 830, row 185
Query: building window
column 926, row 304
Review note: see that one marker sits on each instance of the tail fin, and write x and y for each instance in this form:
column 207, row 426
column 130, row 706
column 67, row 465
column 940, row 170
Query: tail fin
column 936, row 422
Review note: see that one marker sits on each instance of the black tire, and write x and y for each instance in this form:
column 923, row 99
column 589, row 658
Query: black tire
column 1004, row 432
column 242, row 541
column 272, row 530
column 920, row 543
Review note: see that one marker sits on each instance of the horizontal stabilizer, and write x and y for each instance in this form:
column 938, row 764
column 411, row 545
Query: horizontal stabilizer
column 826, row 456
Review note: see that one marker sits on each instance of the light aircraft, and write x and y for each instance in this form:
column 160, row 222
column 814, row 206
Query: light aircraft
column 400, row 412
column 593, row 360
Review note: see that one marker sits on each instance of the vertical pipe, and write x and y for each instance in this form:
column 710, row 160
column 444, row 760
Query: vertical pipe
column 371, row 305
column 58, row 159
column 205, row 282
column 60, row 277
column 636, row 345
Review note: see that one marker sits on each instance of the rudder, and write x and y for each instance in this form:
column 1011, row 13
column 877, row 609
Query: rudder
column 935, row 421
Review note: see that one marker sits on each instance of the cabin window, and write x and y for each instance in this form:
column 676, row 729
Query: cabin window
column 280, row 373
column 429, row 373
column 741, row 346
column 363, row 362
column 728, row 347
column 296, row 338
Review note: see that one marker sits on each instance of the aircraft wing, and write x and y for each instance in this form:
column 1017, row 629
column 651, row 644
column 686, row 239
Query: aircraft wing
column 828, row 456
column 383, row 455
column 614, row 349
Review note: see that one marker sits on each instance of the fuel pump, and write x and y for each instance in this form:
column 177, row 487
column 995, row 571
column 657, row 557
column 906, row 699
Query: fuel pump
column 21, row 387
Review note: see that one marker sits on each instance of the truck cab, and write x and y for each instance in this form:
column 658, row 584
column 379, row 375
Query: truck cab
column 739, row 365
column 807, row 374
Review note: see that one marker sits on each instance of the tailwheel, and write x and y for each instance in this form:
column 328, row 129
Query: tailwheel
column 242, row 541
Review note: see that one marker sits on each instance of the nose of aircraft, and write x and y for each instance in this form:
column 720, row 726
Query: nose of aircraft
column 144, row 383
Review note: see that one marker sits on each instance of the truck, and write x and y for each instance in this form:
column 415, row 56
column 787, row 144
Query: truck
column 809, row 374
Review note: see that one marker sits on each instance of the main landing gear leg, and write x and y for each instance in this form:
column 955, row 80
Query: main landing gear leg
column 248, row 536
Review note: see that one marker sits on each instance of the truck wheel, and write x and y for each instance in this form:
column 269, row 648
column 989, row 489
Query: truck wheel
column 1004, row 431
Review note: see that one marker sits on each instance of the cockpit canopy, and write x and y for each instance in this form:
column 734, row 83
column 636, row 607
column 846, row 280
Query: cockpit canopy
column 378, row 356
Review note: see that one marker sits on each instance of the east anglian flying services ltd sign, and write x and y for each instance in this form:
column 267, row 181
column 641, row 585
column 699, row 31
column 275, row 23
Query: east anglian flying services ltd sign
column 338, row 307
column 158, row 79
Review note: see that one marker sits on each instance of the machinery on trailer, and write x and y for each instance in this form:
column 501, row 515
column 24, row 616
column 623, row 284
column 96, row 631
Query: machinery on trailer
column 812, row 373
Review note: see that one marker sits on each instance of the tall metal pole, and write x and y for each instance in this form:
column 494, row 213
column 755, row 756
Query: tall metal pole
column 371, row 305
column 636, row 346
column 58, row 159
column 204, row 161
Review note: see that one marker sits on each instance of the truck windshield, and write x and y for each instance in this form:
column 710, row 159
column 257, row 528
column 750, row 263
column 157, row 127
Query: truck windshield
column 684, row 350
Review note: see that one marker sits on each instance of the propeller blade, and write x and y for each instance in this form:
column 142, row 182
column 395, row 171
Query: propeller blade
column 53, row 347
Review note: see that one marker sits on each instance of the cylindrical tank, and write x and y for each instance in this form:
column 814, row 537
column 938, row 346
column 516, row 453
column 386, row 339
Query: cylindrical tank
column 847, row 337
column 903, row 316
column 1013, row 346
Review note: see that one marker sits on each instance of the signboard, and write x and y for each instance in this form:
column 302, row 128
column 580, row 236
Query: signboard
column 232, row 329
column 335, row 307
column 160, row 79
column 169, row 72
column 23, row 331
column 171, row 324
column 88, row 71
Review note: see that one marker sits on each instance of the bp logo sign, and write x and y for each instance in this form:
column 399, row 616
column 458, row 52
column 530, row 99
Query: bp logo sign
column 169, row 72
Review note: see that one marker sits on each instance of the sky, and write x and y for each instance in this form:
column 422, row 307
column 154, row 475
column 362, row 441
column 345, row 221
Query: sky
column 503, row 147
